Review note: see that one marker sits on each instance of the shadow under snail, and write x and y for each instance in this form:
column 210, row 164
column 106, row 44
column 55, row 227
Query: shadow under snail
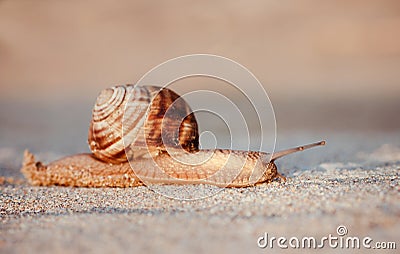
column 161, row 140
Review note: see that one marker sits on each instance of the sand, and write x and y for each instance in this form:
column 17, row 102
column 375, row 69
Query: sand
column 363, row 196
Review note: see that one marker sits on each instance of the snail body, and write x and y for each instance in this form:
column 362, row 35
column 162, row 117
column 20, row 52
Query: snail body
column 149, row 135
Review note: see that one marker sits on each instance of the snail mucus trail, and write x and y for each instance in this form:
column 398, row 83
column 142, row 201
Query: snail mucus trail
column 162, row 148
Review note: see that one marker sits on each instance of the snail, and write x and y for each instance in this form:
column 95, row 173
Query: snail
column 149, row 135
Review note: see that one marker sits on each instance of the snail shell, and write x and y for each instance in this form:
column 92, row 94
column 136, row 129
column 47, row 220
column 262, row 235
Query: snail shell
column 140, row 118
column 136, row 116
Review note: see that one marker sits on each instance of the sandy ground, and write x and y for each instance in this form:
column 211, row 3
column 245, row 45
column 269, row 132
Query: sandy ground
column 324, row 190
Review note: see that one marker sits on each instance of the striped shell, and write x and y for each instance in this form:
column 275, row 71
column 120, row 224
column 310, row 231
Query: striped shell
column 142, row 118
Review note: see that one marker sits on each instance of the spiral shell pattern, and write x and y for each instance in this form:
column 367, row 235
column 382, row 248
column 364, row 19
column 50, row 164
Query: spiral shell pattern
column 136, row 116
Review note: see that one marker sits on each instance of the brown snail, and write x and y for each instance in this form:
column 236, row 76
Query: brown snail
column 156, row 131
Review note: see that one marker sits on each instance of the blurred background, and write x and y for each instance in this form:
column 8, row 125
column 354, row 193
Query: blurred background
column 328, row 66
